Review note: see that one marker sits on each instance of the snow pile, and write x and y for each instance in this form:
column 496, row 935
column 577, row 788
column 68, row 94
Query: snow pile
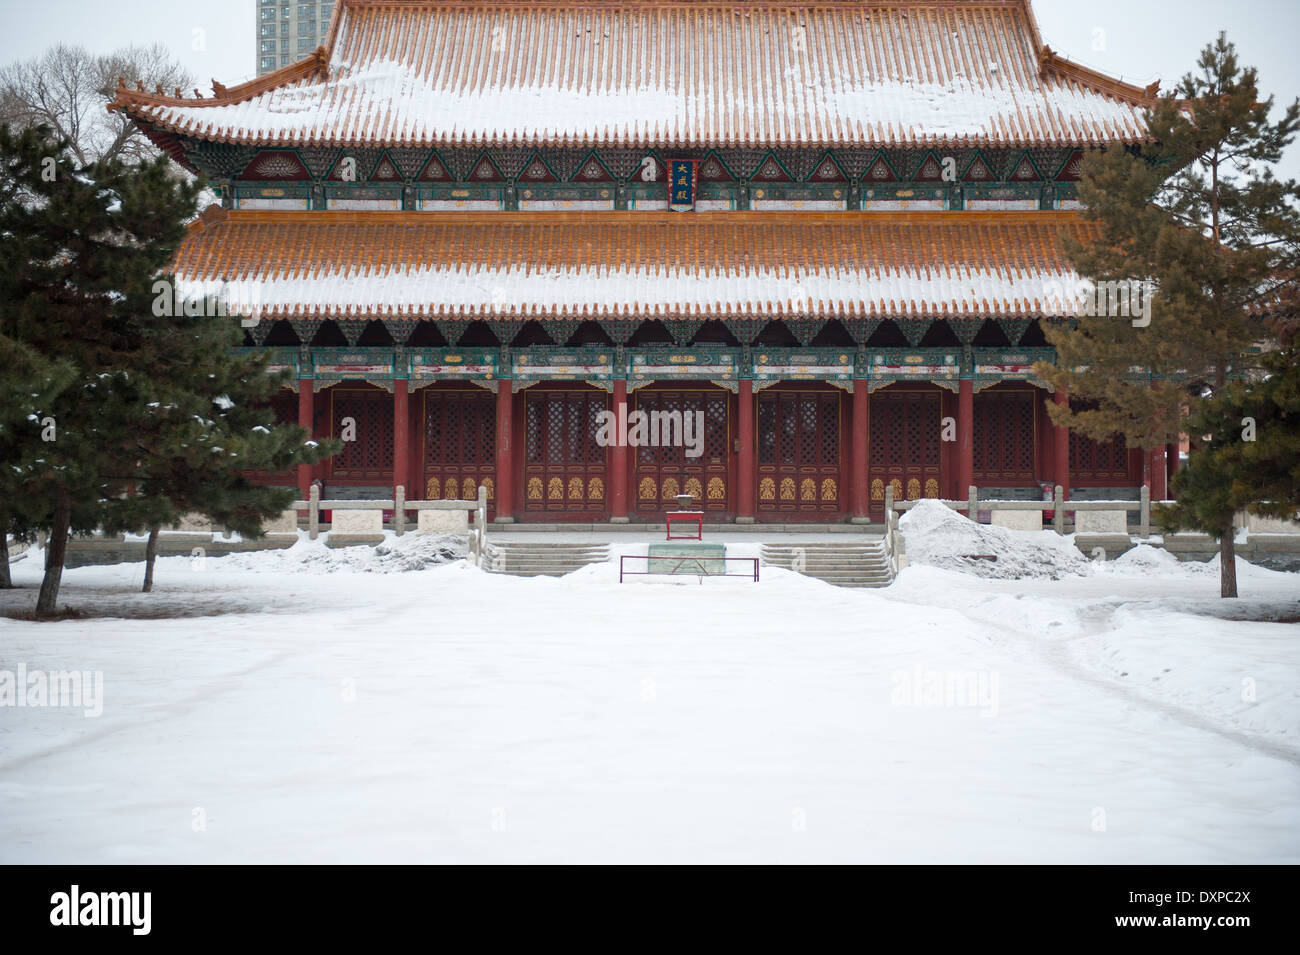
column 939, row 536
column 1145, row 559
column 396, row 555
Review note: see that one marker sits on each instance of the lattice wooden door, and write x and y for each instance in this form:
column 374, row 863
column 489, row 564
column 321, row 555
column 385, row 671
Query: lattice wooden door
column 564, row 466
column 284, row 410
column 1100, row 463
column 1105, row 463
column 904, row 447
column 799, row 452
column 459, row 445
column 370, row 455
column 666, row 471
column 1004, row 432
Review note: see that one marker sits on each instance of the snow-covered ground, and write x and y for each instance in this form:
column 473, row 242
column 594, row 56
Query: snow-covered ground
column 298, row 708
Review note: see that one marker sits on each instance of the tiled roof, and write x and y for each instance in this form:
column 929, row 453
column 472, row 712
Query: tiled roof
column 638, row 264
column 564, row 72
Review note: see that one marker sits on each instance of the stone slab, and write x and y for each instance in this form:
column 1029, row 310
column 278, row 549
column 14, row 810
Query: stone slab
column 443, row 522
column 367, row 522
column 284, row 525
column 1114, row 523
column 193, row 523
column 1017, row 520
column 690, row 559
column 1271, row 525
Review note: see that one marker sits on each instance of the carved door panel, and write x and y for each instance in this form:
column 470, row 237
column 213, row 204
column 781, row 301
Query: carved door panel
column 904, row 446
column 564, row 466
column 366, row 418
column 666, row 470
column 1004, row 430
column 799, row 452
column 459, row 445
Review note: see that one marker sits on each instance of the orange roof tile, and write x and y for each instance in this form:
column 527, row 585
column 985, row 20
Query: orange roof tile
column 431, row 265
column 565, row 72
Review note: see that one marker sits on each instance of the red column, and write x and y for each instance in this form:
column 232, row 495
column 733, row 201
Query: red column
column 401, row 438
column 306, row 419
column 1174, row 459
column 1156, row 475
column 618, row 457
column 965, row 438
column 858, row 455
column 1062, row 455
column 746, row 474
column 505, row 491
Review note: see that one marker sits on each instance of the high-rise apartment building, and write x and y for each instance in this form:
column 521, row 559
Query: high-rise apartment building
column 287, row 32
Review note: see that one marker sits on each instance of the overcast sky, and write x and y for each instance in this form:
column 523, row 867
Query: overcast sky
column 1140, row 40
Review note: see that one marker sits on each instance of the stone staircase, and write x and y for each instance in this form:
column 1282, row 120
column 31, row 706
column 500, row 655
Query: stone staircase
column 542, row 558
column 857, row 565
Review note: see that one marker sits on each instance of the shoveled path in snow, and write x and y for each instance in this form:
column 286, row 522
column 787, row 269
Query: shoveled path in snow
column 453, row 716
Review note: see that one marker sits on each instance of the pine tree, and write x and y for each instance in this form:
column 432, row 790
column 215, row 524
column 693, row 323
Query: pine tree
column 79, row 250
column 155, row 412
column 1252, row 460
column 28, row 383
column 210, row 423
column 1199, row 218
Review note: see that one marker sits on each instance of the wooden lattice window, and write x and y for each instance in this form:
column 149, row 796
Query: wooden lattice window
column 562, row 429
column 285, row 407
column 1105, row 462
column 370, row 455
column 799, row 430
column 1101, row 461
column 461, row 429
column 1004, row 436
column 902, row 432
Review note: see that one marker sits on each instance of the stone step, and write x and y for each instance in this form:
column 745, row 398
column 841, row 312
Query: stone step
column 854, row 566
column 543, row 559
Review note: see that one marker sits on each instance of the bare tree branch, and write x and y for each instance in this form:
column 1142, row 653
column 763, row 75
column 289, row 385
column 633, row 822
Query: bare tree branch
column 67, row 88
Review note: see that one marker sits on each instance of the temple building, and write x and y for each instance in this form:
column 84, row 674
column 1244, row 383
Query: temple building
column 831, row 229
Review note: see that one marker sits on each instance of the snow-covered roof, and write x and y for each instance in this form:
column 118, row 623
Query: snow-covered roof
column 633, row 264
column 572, row 73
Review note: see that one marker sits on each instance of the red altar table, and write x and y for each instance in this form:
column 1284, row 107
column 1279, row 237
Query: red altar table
column 685, row 517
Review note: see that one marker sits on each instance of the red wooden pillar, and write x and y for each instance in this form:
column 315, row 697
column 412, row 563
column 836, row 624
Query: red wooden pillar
column 1157, row 479
column 746, row 464
column 402, row 437
column 1174, row 460
column 618, row 457
column 307, row 420
column 505, row 491
column 858, row 455
column 965, row 437
column 1062, row 455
